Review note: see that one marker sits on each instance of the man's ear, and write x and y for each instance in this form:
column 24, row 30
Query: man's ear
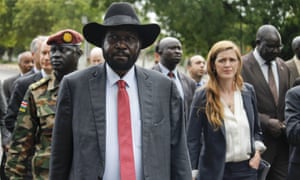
column 257, row 42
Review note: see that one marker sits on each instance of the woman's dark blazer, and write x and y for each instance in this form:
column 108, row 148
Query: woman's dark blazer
column 207, row 146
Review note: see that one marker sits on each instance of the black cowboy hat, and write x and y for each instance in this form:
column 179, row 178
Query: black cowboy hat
column 121, row 14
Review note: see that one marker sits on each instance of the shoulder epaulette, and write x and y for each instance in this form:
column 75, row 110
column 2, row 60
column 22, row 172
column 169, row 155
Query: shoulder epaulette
column 39, row 83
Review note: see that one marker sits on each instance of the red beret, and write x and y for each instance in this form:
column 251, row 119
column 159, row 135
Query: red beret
column 66, row 37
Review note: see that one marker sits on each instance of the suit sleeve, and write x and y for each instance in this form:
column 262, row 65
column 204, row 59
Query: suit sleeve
column 292, row 115
column 14, row 104
column 180, row 162
column 258, row 135
column 194, row 132
column 62, row 142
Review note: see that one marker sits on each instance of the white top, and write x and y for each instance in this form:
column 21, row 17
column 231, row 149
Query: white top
column 112, row 163
column 165, row 71
column 264, row 68
column 237, row 131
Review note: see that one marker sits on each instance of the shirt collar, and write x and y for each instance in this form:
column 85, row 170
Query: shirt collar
column 259, row 59
column 113, row 77
column 165, row 70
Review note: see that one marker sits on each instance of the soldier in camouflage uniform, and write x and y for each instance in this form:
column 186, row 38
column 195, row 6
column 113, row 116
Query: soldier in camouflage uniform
column 33, row 130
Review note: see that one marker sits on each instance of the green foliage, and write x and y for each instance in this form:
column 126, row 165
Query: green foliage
column 197, row 23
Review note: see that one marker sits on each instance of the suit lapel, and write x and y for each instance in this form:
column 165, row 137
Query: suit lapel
column 247, row 106
column 281, row 78
column 145, row 90
column 144, row 85
column 97, row 88
column 258, row 76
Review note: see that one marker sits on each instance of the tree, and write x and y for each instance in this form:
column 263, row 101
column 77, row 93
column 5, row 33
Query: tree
column 197, row 23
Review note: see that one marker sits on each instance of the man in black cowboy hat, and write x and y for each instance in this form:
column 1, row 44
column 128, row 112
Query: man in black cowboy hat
column 129, row 123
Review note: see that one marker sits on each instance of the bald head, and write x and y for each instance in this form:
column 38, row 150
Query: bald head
column 268, row 42
column 96, row 56
column 25, row 61
column 170, row 51
column 267, row 32
column 296, row 46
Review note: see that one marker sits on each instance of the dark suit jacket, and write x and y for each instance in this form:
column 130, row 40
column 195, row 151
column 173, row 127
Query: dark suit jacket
column 188, row 86
column 8, row 86
column 266, row 105
column 78, row 147
column 207, row 147
column 2, row 108
column 20, row 87
column 293, row 70
column 267, row 108
column 292, row 115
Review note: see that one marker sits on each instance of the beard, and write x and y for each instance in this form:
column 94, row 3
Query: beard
column 121, row 64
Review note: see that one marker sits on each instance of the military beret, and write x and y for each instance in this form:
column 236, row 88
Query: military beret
column 65, row 37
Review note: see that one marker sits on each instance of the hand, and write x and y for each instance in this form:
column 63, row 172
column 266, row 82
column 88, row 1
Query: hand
column 275, row 127
column 255, row 160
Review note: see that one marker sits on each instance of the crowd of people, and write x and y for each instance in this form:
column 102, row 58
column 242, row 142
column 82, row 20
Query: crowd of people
column 114, row 120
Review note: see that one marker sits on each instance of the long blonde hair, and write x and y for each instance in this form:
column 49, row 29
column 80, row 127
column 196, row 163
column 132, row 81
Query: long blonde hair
column 214, row 108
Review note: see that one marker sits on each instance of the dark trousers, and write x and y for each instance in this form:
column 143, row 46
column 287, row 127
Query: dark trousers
column 294, row 171
column 239, row 171
column 277, row 154
column 2, row 167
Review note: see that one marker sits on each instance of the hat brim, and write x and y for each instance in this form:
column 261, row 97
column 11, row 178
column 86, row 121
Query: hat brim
column 95, row 33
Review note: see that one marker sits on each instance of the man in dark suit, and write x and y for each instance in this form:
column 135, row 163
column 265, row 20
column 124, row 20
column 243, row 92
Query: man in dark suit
column 262, row 68
column 170, row 52
column 25, row 63
column 21, row 85
column 292, row 111
column 294, row 63
column 87, row 121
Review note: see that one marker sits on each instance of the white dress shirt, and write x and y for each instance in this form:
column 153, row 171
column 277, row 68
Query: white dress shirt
column 112, row 163
column 237, row 131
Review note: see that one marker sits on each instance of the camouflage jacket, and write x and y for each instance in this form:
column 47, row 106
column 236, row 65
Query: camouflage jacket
column 33, row 131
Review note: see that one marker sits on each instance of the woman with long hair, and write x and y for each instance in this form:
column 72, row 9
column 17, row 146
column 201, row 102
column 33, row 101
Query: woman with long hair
column 224, row 135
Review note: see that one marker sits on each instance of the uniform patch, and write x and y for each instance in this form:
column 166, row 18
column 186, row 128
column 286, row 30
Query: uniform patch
column 23, row 106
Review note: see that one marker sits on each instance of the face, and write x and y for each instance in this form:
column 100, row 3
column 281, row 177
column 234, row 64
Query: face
column 45, row 58
column 226, row 64
column 64, row 59
column 269, row 47
column 197, row 67
column 297, row 49
column 121, row 49
column 170, row 52
column 26, row 62
column 36, row 55
column 96, row 58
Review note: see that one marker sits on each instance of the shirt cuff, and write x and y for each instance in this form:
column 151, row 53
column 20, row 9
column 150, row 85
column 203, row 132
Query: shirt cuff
column 195, row 173
column 259, row 146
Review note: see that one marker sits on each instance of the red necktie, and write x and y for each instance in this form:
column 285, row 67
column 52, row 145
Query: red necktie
column 127, row 169
column 272, row 83
column 171, row 74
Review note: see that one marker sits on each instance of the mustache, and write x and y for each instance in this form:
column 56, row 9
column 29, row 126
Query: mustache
column 120, row 53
